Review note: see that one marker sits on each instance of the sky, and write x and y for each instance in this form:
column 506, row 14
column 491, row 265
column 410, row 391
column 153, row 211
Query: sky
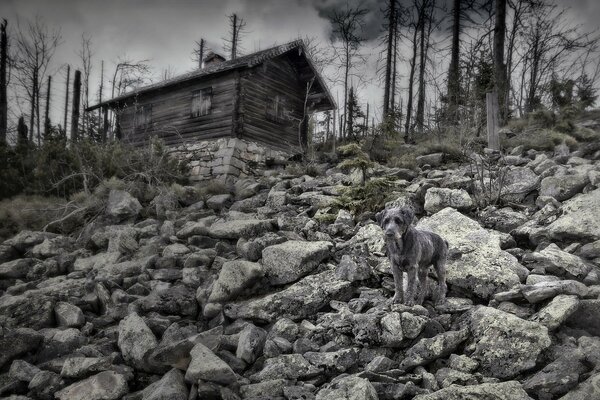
column 165, row 31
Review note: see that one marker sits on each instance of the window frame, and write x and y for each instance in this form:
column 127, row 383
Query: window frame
column 198, row 96
column 276, row 108
column 143, row 112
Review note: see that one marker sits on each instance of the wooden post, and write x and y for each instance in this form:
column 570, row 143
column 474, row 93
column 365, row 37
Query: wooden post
column 67, row 99
column 104, row 123
column 21, row 132
column 491, row 100
column 333, row 136
column 47, row 112
column 100, row 89
column 76, row 99
column 201, row 54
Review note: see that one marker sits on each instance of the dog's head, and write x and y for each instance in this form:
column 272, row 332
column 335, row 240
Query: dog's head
column 394, row 221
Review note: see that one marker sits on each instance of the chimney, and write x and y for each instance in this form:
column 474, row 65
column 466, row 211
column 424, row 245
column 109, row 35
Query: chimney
column 212, row 59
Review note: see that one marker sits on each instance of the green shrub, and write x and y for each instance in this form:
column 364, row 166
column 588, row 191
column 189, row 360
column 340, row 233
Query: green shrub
column 371, row 196
column 585, row 134
column 28, row 212
column 543, row 118
column 543, row 140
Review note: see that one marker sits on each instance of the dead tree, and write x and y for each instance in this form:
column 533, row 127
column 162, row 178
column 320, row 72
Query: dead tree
column 85, row 56
column 425, row 34
column 347, row 25
column 100, row 90
column 236, row 30
column 499, row 65
column 199, row 53
column 453, row 69
column 67, row 100
column 418, row 20
column 76, row 102
column 47, row 112
column 3, row 82
column 390, row 41
column 22, row 138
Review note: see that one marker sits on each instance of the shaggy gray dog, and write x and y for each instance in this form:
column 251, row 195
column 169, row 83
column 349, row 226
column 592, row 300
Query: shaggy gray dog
column 413, row 251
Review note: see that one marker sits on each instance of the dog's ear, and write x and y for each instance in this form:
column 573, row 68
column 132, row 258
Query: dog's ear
column 409, row 215
column 379, row 217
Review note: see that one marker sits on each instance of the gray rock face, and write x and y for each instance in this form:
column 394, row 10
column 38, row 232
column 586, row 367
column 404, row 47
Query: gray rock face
column 349, row 388
column 22, row 371
column 219, row 201
column 503, row 220
column 519, row 182
column 339, row 361
column 557, row 311
column 207, row 366
column 546, row 289
column 170, row 387
column 287, row 366
column 483, row 268
column 561, row 263
column 556, row 378
column 235, row 276
column 351, row 270
column 436, row 199
column 16, row 269
column 68, row 315
column 235, row 229
column 562, row 187
column 250, row 344
column 579, row 219
column 25, row 240
column 371, row 235
column 433, row 160
column 430, row 349
column 588, row 389
column 297, row 301
column 289, row 261
column 252, row 249
column 107, row 385
column 586, row 317
column 80, row 367
column 511, row 390
column 122, row 205
column 135, row 341
column 503, row 344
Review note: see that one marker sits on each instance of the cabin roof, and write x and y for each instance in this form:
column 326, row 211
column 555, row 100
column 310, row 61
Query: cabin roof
column 242, row 62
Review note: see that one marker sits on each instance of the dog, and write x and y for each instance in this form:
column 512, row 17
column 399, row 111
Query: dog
column 412, row 251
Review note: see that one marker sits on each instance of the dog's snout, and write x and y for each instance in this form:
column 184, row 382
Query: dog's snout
column 389, row 233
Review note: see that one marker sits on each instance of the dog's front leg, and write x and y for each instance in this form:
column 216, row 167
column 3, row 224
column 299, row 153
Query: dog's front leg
column 398, row 282
column 411, row 289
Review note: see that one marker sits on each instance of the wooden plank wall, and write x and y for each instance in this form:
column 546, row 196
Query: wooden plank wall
column 171, row 114
column 276, row 76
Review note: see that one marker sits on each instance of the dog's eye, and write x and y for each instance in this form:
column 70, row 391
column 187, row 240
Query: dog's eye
column 386, row 221
column 397, row 220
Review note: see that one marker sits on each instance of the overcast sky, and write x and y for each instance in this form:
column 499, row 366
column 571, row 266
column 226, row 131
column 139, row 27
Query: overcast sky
column 165, row 31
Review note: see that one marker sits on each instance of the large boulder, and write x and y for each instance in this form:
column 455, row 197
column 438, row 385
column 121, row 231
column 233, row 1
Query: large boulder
column 511, row 390
column 557, row 311
column 518, row 183
column 579, row 219
column 437, row 199
column 561, row 263
column 121, row 205
column 135, row 341
column 586, row 390
column 586, row 316
column 430, row 349
column 482, row 268
column 207, row 366
column 107, row 385
column 237, row 228
column 298, row 301
column 170, row 387
column 235, row 276
column 288, row 366
column 289, row 261
column 562, row 187
column 371, row 235
column 504, row 344
column 349, row 388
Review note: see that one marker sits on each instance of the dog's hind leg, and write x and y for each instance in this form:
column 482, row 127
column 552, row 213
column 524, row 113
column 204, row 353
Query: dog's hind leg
column 440, row 270
column 411, row 289
column 398, row 284
column 422, row 285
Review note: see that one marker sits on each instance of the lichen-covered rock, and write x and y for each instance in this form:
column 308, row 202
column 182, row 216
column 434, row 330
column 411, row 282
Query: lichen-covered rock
column 250, row 344
column 430, row 349
column 121, row 205
column 511, row 390
column 562, row 187
column 557, row 311
column 503, row 344
column 107, row 385
column 235, row 276
column 436, row 199
column 170, row 387
column 68, row 315
column 578, row 220
column 287, row 366
column 135, row 341
column 207, row 366
column 588, row 389
column 235, row 229
column 561, row 263
column 482, row 268
column 349, row 388
column 289, row 261
column 556, row 378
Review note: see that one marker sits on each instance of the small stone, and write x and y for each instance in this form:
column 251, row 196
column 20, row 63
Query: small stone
column 107, row 385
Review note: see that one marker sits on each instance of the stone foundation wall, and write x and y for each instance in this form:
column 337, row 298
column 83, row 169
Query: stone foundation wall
column 227, row 158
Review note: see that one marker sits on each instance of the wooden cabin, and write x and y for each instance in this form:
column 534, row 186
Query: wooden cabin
column 262, row 97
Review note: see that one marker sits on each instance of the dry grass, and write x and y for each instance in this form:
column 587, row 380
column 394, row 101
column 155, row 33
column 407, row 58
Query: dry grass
column 543, row 140
column 28, row 212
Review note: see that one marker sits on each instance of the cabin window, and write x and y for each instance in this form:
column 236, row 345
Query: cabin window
column 276, row 108
column 143, row 116
column 201, row 102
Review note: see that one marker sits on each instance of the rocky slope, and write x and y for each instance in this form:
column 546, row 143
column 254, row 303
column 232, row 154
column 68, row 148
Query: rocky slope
column 250, row 296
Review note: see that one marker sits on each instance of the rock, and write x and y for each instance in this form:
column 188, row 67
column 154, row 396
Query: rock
column 556, row 378
column 412, row 325
column 511, row 390
column 333, row 361
column 219, row 201
column 586, row 390
column 175, row 250
column 433, row 160
column 107, row 385
column 436, row 199
column 27, row 310
column 16, row 269
column 586, row 317
column 430, row 349
column 121, row 205
column 68, row 315
column 252, row 249
column 557, row 311
column 44, row 384
column 176, row 354
column 518, row 183
column 235, row 276
column 170, row 387
column 170, row 300
column 544, row 290
column 503, row 344
column 52, row 247
column 351, row 270
column 462, row 363
column 562, row 187
column 135, row 341
column 503, row 220
column 289, row 261
column 250, row 344
column 193, row 228
column 348, row 388
column 25, row 240
column 207, row 366
column 287, row 366
column 298, row 301
column 391, row 330
column 371, row 235
column 590, row 250
column 18, row 342
column 22, row 371
column 80, row 367
column 578, row 219
column 561, row 263
column 269, row 389
column 276, row 199
column 238, row 228
column 482, row 268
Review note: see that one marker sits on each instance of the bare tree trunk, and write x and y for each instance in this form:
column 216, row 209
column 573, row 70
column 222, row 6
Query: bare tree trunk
column 76, row 100
column 22, row 138
column 367, row 121
column 234, row 38
column 411, row 80
column 3, row 83
column 32, row 104
column 453, row 70
column 100, row 89
column 67, row 99
column 350, row 119
column 47, row 111
column 200, row 53
column 420, row 115
column 390, row 53
column 394, row 71
column 499, row 65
